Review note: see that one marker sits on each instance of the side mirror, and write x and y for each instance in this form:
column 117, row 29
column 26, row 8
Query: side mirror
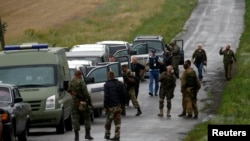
column 89, row 80
column 18, row 99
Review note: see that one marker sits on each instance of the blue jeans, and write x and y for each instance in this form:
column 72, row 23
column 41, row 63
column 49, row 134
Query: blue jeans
column 154, row 77
column 200, row 67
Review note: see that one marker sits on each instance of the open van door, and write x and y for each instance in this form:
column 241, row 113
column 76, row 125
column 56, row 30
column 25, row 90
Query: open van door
column 180, row 43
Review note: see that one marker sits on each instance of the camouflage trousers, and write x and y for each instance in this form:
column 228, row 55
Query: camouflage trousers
column 165, row 94
column 191, row 103
column 175, row 63
column 77, row 114
column 113, row 114
column 131, row 93
column 228, row 69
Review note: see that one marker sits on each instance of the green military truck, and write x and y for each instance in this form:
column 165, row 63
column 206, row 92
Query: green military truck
column 41, row 74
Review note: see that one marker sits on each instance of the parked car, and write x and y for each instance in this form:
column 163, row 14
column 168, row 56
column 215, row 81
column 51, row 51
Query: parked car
column 15, row 114
column 115, row 45
column 92, row 49
column 1, row 128
column 143, row 44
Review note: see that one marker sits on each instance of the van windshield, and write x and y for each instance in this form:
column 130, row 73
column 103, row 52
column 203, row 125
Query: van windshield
column 35, row 75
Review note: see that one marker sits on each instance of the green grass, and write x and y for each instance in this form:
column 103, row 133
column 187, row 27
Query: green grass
column 117, row 20
column 235, row 104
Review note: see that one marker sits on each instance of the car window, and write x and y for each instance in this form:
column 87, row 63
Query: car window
column 116, row 69
column 99, row 74
column 16, row 93
column 123, row 52
column 5, row 94
column 158, row 46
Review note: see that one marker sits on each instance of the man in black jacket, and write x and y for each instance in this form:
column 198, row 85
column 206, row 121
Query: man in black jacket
column 114, row 97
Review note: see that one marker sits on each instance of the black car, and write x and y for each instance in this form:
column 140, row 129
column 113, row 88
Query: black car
column 15, row 114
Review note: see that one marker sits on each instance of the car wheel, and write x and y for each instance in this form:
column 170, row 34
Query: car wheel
column 60, row 127
column 23, row 135
column 68, row 123
column 8, row 135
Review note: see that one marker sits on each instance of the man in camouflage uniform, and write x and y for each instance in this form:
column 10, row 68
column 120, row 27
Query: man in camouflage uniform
column 129, row 82
column 190, row 86
column 80, row 95
column 168, row 83
column 175, row 50
column 114, row 97
column 228, row 60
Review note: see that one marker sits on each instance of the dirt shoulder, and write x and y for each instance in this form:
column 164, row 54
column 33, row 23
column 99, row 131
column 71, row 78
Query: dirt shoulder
column 39, row 15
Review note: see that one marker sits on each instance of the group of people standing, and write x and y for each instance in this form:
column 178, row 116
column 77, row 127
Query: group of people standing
column 164, row 71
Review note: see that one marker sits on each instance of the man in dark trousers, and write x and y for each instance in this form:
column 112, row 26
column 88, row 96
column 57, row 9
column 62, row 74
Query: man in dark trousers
column 114, row 97
column 139, row 69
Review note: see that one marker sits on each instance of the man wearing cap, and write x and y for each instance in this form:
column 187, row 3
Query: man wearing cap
column 154, row 62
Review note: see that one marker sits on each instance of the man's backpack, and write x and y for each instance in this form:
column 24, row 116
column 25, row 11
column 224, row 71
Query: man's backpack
column 191, row 80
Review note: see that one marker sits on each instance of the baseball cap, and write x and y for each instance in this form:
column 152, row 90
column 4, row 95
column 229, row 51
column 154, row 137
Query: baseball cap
column 153, row 50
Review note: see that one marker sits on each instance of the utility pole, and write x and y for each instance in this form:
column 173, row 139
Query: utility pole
column 2, row 31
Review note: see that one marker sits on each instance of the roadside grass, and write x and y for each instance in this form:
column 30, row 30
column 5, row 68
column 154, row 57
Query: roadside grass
column 235, row 104
column 117, row 20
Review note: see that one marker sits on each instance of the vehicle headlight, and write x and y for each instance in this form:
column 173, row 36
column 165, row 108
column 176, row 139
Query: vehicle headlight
column 50, row 103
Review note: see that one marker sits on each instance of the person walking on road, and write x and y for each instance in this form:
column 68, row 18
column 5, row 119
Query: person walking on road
column 190, row 86
column 154, row 62
column 129, row 82
column 139, row 69
column 114, row 97
column 228, row 60
column 81, row 104
column 199, row 59
column 167, row 87
column 175, row 51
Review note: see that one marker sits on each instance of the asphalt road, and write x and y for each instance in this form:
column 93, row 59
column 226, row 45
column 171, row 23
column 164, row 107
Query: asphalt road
column 214, row 23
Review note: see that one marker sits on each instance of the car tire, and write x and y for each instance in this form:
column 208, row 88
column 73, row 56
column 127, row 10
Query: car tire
column 8, row 135
column 24, row 135
column 68, row 123
column 60, row 127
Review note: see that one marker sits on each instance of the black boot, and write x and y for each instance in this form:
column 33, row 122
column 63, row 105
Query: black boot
column 76, row 135
column 87, row 135
column 115, row 138
column 182, row 114
column 138, row 112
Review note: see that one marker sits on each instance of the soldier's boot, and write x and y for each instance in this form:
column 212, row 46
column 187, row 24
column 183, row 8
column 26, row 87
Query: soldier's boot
column 168, row 113
column 107, row 136
column 182, row 114
column 161, row 113
column 87, row 135
column 138, row 112
column 76, row 135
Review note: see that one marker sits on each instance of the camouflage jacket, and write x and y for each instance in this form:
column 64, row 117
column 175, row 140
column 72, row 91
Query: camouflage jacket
column 168, row 81
column 187, row 83
column 229, row 56
column 79, row 87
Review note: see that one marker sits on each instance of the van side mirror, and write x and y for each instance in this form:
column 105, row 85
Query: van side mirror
column 89, row 80
column 18, row 99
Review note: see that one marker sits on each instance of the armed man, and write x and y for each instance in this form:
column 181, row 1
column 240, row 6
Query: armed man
column 130, row 82
column 190, row 86
column 81, row 104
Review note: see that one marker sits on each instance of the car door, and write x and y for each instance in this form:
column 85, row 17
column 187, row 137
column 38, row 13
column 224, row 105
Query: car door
column 116, row 68
column 96, row 88
column 20, row 111
column 180, row 43
column 141, row 48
